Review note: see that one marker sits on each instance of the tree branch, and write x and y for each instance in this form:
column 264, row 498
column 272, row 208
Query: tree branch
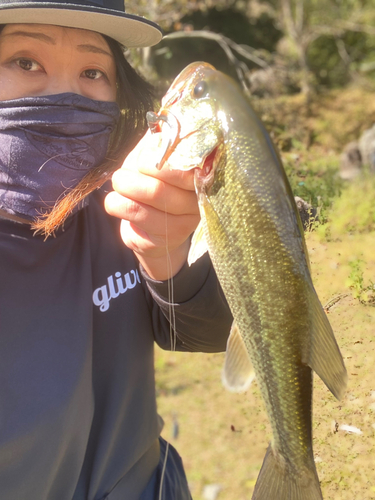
column 362, row 28
column 228, row 47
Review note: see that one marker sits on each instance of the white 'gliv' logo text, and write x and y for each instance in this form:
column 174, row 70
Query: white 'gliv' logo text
column 102, row 295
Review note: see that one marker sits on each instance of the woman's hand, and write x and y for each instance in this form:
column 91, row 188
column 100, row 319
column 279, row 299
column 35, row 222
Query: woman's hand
column 158, row 208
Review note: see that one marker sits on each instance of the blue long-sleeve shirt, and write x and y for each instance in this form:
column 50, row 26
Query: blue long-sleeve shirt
column 78, row 321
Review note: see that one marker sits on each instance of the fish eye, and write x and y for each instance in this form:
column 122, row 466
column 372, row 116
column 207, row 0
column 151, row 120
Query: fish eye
column 200, row 90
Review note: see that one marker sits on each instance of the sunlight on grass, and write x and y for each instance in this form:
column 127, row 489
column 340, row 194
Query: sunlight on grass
column 354, row 210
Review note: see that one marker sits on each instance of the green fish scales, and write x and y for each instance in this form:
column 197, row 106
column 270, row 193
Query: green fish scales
column 265, row 288
column 251, row 228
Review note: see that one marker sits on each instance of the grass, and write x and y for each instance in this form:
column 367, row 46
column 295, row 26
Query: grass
column 223, row 437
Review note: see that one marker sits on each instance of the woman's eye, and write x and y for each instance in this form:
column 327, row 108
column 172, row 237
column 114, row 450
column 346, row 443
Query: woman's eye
column 93, row 74
column 27, row 64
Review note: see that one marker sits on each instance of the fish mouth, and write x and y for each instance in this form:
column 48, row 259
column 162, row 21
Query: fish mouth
column 204, row 172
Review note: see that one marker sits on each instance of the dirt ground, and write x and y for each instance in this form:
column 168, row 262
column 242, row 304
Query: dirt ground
column 223, row 437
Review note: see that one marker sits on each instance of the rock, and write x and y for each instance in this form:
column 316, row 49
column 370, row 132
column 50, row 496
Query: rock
column 211, row 491
column 350, row 429
column 262, row 82
column 271, row 81
column 350, row 161
column 366, row 146
column 307, row 213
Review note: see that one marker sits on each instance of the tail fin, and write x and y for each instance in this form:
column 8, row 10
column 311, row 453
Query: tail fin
column 277, row 482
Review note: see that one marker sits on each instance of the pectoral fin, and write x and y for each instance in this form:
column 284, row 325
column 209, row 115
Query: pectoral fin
column 322, row 353
column 198, row 245
column 238, row 371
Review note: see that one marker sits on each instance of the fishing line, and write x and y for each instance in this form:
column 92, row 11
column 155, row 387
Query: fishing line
column 171, row 311
column 163, row 471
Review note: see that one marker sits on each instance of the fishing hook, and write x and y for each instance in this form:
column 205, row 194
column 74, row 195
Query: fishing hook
column 153, row 120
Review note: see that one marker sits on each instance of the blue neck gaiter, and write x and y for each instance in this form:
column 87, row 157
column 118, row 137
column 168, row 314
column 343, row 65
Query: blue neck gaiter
column 47, row 145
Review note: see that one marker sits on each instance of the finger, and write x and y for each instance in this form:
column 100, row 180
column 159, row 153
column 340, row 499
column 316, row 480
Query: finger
column 155, row 193
column 147, row 154
column 178, row 178
column 142, row 242
column 159, row 226
column 136, row 239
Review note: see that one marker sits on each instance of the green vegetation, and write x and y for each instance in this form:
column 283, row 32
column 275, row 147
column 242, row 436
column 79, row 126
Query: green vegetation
column 354, row 211
column 365, row 293
column 309, row 44
column 316, row 182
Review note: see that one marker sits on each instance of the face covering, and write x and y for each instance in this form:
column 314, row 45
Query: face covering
column 47, row 145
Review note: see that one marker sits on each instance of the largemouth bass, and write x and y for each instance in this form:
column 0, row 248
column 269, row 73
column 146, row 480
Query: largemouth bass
column 251, row 228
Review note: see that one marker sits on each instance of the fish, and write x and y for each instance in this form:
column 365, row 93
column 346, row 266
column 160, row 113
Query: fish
column 251, row 228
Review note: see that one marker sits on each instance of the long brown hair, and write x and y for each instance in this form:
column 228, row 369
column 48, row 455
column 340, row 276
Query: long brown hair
column 135, row 97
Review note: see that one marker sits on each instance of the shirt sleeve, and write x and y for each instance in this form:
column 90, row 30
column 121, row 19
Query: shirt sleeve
column 190, row 312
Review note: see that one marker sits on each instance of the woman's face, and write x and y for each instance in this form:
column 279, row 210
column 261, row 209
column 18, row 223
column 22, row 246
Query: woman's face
column 38, row 60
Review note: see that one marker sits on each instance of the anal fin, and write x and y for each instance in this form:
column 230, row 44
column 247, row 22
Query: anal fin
column 322, row 353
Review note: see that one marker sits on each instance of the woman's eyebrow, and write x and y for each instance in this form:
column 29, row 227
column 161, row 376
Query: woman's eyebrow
column 38, row 36
column 48, row 39
column 93, row 48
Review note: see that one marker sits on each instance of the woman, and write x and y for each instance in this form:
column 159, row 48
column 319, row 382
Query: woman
column 79, row 312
